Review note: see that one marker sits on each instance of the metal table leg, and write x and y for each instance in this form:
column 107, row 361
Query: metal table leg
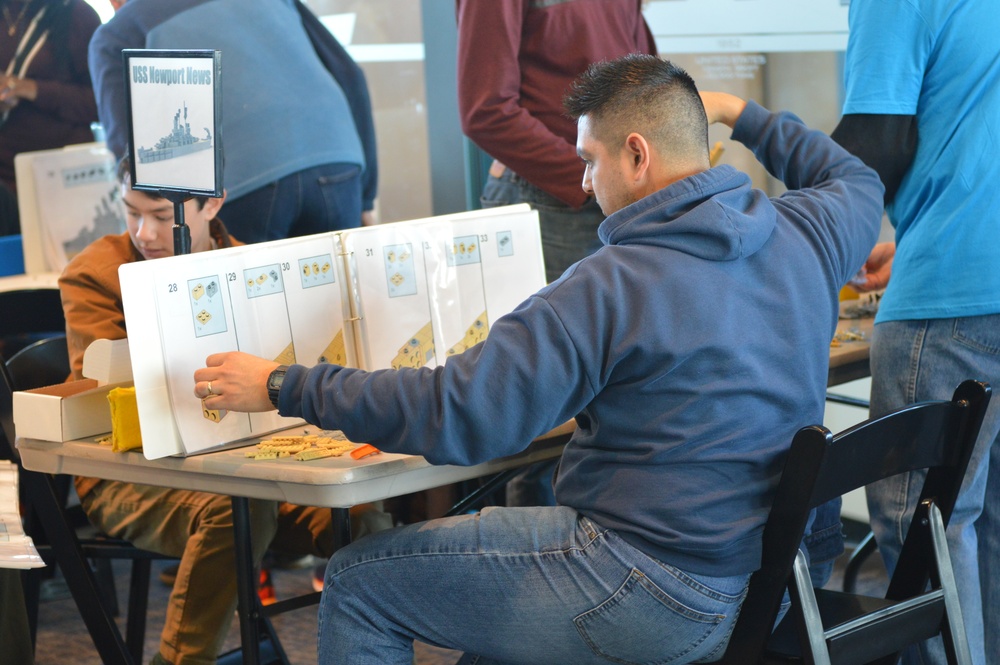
column 246, row 607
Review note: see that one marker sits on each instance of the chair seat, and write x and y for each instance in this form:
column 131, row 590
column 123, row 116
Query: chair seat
column 881, row 626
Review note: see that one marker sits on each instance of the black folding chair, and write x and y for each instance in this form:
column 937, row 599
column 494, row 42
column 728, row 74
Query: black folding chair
column 46, row 362
column 834, row 627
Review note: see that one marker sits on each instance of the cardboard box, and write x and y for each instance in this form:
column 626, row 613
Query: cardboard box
column 63, row 412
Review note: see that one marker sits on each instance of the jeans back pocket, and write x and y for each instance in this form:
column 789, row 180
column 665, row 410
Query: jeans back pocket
column 641, row 624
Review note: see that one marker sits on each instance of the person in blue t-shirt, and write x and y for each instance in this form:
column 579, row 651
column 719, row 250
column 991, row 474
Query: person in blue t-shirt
column 923, row 109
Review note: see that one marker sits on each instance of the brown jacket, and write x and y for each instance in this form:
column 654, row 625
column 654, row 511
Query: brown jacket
column 92, row 297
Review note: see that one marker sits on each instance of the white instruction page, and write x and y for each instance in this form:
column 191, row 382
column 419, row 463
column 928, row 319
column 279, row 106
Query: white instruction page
column 407, row 294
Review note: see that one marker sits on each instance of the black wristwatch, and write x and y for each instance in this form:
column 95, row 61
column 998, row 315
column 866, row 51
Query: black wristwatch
column 274, row 381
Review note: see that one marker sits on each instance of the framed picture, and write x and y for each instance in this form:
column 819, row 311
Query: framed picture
column 174, row 117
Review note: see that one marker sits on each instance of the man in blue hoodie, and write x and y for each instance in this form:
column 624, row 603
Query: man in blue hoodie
column 690, row 348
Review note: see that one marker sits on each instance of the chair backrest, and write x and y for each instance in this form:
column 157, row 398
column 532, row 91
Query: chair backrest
column 31, row 311
column 6, row 414
column 42, row 363
column 938, row 436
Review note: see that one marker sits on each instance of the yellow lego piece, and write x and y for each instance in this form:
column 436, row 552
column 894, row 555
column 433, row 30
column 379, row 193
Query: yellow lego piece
column 215, row 415
column 317, row 453
column 125, row 433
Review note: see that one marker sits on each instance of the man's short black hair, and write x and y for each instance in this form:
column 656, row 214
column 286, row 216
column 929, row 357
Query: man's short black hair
column 645, row 94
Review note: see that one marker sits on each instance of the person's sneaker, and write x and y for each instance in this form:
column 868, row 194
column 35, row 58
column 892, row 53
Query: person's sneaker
column 319, row 573
column 266, row 588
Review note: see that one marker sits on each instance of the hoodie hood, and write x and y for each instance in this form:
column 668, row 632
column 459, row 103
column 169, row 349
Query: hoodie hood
column 714, row 215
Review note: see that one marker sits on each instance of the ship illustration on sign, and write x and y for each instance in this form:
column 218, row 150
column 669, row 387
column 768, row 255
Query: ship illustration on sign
column 178, row 142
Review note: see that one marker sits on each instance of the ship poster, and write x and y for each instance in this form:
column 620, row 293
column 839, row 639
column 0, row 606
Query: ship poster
column 174, row 119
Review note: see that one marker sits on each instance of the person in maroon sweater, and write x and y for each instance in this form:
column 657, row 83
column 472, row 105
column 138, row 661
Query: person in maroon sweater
column 516, row 62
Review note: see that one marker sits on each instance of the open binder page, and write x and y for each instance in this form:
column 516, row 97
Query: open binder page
column 429, row 289
column 280, row 300
column 407, row 294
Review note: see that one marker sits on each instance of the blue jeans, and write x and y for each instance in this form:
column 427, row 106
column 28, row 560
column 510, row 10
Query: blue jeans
column 519, row 585
column 568, row 234
column 316, row 200
column 914, row 361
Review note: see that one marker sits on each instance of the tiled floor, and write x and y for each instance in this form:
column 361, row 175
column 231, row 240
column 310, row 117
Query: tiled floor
column 63, row 639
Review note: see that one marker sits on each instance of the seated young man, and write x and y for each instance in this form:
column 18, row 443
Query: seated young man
column 690, row 349
column 195, row 526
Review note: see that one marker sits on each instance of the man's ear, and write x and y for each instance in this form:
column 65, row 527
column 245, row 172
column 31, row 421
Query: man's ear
column 637, row 148
column 213, row 205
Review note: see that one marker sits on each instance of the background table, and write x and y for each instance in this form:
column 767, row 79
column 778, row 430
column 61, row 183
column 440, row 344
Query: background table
column 849, row 360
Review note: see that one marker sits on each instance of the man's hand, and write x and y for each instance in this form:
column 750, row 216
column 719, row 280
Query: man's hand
column 234, row 381
column 875, row 274
column 722, row 107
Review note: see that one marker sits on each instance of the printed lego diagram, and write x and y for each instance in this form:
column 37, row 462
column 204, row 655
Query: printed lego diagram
column 335, row 352
column 316, row 270
column 505, row 243
column 263, row 281
column 474, row 335
column 399, row 270
column 464, row 251
column 207, row 308
column 418, row 350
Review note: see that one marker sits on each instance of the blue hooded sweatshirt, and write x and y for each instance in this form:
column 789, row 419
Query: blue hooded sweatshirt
column 690, row 349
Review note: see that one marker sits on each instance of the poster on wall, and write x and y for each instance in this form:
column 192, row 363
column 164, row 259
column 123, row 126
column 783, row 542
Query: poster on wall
column 68, row 197
column 175, row 112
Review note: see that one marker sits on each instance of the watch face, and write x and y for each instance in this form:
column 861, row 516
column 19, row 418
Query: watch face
column 275, row 379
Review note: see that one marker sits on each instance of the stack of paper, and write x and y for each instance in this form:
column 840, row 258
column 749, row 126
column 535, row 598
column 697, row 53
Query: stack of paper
column 16, row 549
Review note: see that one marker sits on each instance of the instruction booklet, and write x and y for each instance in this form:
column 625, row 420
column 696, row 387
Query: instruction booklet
column 406, row 294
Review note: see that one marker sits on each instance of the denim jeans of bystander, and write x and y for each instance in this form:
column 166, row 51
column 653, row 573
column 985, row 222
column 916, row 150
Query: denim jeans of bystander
column 914, row 361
